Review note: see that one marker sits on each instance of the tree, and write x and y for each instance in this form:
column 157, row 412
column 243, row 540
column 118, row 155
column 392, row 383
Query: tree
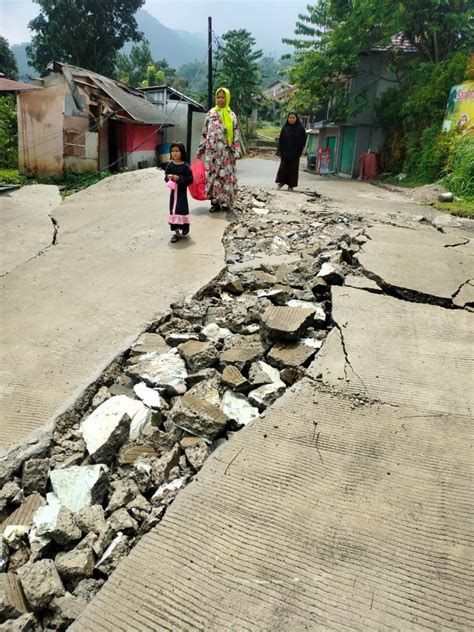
column 238, row 69
column 132, row 69
column 8, row 65
column 8, row 132
column 333, row 35
column 85, row 33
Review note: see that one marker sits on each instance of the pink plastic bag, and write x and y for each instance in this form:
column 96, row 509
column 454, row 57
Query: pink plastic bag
column 171, row 184
column 198, row 188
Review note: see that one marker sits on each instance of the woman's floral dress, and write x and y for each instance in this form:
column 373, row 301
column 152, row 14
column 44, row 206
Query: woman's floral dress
column 219, row 158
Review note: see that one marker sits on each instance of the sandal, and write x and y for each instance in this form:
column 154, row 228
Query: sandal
column 175, row 238
column 215, row 207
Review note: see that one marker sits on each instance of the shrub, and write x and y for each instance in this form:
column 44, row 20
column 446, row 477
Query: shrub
column 459, row 170
column 8, row 133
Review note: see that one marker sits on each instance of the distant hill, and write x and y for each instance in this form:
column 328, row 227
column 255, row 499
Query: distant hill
column 19, row 50
column 177, row 47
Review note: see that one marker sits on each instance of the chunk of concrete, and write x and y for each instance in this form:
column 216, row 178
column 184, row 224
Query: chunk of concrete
column 331, row 273
column 234, row 378
column 149, row 343
column 125, row 490
column 41, row 583
column 264, row 396
column 237, row 407
column 293, row 355
column 12, row 598
column 58, row 523
column 109, row 426
column 166, row 492
column 75, row 565
column 65, row 610
column 79, row 486
column 198, row 355
column 34, row 477
column 196, row 451
column 117, row 549
column 215, row 333
column 122, row 521
column 164, row 370
column 198, row 417
column 150, row 397
column 287, row 323
column 91, row 519
column 262, row 373
column 26, row 623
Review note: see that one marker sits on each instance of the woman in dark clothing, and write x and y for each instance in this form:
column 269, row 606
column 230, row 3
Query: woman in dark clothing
column 178, row 172
column 290, row 147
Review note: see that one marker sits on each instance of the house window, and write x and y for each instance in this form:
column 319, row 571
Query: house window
column 74, row 143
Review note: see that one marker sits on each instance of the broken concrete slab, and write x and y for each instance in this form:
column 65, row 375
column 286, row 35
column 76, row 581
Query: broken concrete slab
column 198, row 417
column 4, row 555
column 237, row 407
column 261, row 373
column 215, row 333
column 56, row 522
column 22, row 518
column 465, row 295
column 196, row 451
column 75, row 565
column 287, row 323
column 266, row 395
column 65, row 610
column 166, row 492
column 149, row 343
column 292, row 355
column 165, row 370
column 150, row 397
column 241, row 350
column 231, row 376
column 122, row 521
column 79, row 486
column 12, row 598
column 197, row 354
column 362, row 283
column 109, row 425
column 117, row 549
column 331, row 273
column 392, row 258
column 91, row 519
column 25, row 623
column 382, row 362
column 41, row 583
column 34, row 477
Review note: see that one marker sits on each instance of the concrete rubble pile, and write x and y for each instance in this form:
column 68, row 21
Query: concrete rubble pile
column 210, row 367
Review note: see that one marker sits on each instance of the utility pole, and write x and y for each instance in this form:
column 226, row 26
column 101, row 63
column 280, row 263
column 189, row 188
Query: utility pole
column 210, row 96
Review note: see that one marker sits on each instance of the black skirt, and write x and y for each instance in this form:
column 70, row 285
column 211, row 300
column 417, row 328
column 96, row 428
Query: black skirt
column 288, row 172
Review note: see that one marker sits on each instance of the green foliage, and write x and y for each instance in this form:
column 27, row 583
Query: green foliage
column 332, row 35
column 459, row 170
column 238, row 69
column 132, row 68
column 411, row 118
column 85, row 33
column 272, row 69
column 8, row 65
column 12, row 176
column 8, row 132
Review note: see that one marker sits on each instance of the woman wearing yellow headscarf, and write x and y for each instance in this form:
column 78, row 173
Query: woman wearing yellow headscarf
column 220, row 147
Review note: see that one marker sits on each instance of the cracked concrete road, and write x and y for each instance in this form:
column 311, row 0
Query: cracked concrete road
column 348, row 506
column 68, row 309
column 27, row 227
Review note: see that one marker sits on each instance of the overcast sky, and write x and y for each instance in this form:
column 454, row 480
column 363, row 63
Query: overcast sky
column 267, row 20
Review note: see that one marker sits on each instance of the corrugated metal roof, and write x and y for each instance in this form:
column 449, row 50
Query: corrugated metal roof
column 9, row 85
column 132, row 101
column 179, row 96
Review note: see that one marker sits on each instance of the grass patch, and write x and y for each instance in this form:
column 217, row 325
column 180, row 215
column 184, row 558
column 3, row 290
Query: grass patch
column 272, row 131
column 68, row 182
column 461, row 209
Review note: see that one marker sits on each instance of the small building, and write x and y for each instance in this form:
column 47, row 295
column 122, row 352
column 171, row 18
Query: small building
column 83, row 122
column 359, row 134
column 279, row 90
column 186, row 115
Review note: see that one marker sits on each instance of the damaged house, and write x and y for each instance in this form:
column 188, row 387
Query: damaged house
column 81, row 122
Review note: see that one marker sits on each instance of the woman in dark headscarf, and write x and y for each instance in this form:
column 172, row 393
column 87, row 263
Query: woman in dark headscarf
column 290, row 147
